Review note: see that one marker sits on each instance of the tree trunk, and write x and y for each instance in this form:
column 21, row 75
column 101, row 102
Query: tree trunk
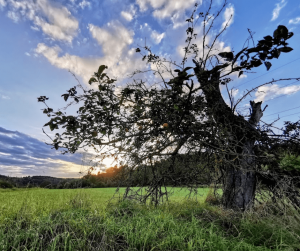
column 240, row 177
column 240, row 185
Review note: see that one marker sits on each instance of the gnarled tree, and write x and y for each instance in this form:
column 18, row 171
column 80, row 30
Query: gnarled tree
column 153, row 121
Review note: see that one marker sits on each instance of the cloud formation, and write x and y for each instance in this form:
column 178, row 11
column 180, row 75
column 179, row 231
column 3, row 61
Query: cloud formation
column 157, row 37
column 84, row 3
column 126, row 15
column 228, row 16
column 294, row 21
column 129, row 13
column 2, row 3
column 22, row 155
column 173, row 9
column 13, row 16
column 277, row 9
column 114, row 40
column 54, row 19
column 270, row 92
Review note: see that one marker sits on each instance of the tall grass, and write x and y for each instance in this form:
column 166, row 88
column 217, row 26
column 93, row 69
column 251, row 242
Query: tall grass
column 42, row 219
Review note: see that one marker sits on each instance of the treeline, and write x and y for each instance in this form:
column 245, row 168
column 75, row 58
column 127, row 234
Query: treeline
column 186, row 167
column 41, row 181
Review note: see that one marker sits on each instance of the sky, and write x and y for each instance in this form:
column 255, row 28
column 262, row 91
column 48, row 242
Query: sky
column 44, row 41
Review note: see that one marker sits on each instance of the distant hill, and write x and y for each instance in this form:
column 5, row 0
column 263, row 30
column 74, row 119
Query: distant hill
column 35, row 181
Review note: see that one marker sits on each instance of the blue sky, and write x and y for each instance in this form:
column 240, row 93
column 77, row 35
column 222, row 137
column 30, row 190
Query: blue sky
column 42, row 40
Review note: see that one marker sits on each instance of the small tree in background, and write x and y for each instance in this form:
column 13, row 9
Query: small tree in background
column 153, row 121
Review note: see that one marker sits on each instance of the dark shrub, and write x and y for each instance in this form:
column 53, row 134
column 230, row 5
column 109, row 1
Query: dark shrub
column 67, row 185
column 5, row 184
column 85, row 183
column 46, row 184
column 61, row 185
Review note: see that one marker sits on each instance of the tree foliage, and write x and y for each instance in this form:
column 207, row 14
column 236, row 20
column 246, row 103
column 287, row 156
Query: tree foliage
column 142, row 124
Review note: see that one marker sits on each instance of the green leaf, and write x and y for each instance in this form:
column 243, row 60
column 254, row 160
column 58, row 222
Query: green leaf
column 256, row 63
column 285, row 49
column 176, row 107
column 227, row 55
column 268, row 65
column 276, row 53
column 101, row 69
column 102, row 76
column 183, row 73
column 78, row 142
column 52, row 127
column 92, row 80
column 263, row 56
column 94, row 134
column 265, row 43
column 187, row 68
column 191, row 75
column 268, row 38
column 281, row 32
column 66, row 96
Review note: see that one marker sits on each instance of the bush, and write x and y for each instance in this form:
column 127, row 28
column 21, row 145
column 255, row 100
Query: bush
column 46, row 184
column 85, row 183
column 5, row 184
column 67, row 185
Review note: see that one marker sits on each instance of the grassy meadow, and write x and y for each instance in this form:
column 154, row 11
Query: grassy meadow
column 82, row 219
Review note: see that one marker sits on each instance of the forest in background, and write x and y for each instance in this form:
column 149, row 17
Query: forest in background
column 114, row 176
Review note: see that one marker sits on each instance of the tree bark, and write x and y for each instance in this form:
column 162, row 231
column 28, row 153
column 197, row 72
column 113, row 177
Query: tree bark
column 240, row 177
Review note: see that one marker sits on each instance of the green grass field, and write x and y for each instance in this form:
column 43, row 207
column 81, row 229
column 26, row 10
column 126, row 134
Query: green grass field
column 81, row 219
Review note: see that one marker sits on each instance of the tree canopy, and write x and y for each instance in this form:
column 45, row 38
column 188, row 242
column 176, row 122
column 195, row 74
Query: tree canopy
column 142, row 124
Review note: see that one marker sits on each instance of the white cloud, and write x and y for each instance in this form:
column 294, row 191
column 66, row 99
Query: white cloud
column 84, row 3
column 4, row 97
column 234, row 92
column 13, row 16
column 178, row 19
column 34, row 28
column 113, row 39
column 270, row 92
column 173, row 9
column 27, row 54
column 54, row 19
column 295, row 20
column 154, row 3
column 62, row 24
column 80, row 66
column 129, row 13
column 2, row 3
column 157, row 37
column 126, row 15
column 228, row 16
column 277, row 9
